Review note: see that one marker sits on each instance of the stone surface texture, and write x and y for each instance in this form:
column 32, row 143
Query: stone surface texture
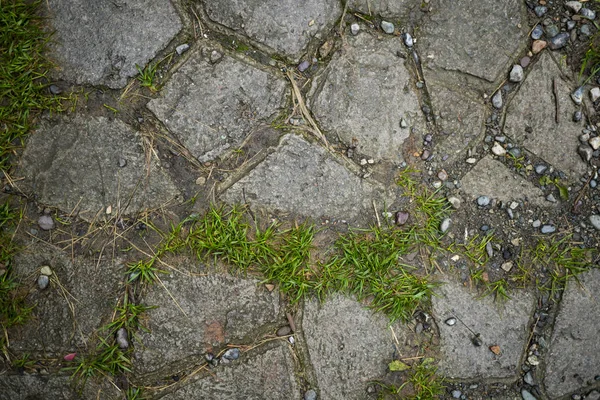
column 211, row 311
column 31, row 387
column 62, row 322
column 493, row 179
column 391, row 8
column 303, row 178
column 286, row 26
column 211, row 107
column 363, row 94
column 533, row 109
column 100, row 43
column 73, row 164
column 499, row 324
column 574, row 357
column 349, row 346
column 485, row 49
column 268, row 375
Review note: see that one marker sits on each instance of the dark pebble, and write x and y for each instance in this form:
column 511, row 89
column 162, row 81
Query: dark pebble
column 552, row 30
column 55, row 90
column 284, row 331
column 525, row 61
column 587, row 13
column 540, row 11
column 425, row 154
column 401, row 217
column 577, row 116
column 515, row 152
column 426, row 110
column 303, row 66
column 537, row 32
column 476, row 340
column 559, row 41
column 232, row 354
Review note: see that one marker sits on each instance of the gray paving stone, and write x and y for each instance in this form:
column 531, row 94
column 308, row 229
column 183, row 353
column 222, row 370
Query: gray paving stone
column 364, row 93
column 213, row 106
column 502, row 324
column 219, row 309
column 533, row 108
column 74, row 164
column 286, row 26
column 31, row 387
column 348, row 345
column 55, row 328
column 391, row 8
column 494, row 180
column 456, row 38
column 267, row 375
column 303, row 178
column 574, row 357
column 100, row 43
column 461, row 119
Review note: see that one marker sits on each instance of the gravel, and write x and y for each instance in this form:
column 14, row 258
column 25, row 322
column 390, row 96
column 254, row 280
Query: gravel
column 595, row 221
column 546, row 229
column 516, row 74
column 526, row 395
column 182, row 48
column 43, row 282
column 354, row 29
column 445, row 225
column 577, row 95
column 559, row 41
column 387, row 27
column 497, row 100
column 483, row 201
column 310, row 395
column 46, row 222
column 537, row 32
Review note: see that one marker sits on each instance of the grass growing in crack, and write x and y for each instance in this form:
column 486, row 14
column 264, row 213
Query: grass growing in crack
column 107, row 360
column 147, row 76
column 422, row 383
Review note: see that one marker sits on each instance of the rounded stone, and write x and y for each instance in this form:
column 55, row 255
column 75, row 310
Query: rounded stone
column 354, row 29
column 483, row 201
column 497, row 100
column 232, row 354
column 46, row 222
column 43, row 282
column 445, row 225
column 45, row 270
column 284, row 331
column 387, row 27
column 310, row 395
column 516, row 74
column 546, row 229
column 595, row 221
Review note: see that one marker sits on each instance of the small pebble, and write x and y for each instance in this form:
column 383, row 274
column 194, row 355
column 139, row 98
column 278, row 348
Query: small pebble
column 577, row 95
column 408, row 40
column 587, row 13
column 528, row 378
column 540, row 11
column 122, row 162
column 445, row 225
column 387, row 27
column 456, row 394
column 450, row 321
column 540, row 169
column 284, row 331
column 425, row 154
column 516, row 74
column 442, row 175
column 215, row 56
column 574, row 5
column 537, row 223
column 55, row 90
column 303, row 66
column 585, row 152
column 526, row 395
column 182, row 48
column 455, row 202
column 546, row 229
column 46, row 222
column 497, row 100
column 571, row 25
column 552, row 30
column 525, row 61
column 537, row 32
column 471, row 160
column 401, row 218
column 483, row 201
column 43, row 282
column 551, row 198
column 310, row 395
column 577, row 116
column 559, row 41
column 538, row 45
column 122, row 338
column 498, row 150
column 595, row 93
column 595, row 142
column 354, row 29
column 595, row 221
column 45, row 270
column 489, row 249
column 232, row 354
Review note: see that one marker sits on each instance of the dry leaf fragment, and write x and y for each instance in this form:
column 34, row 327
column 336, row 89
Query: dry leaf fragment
column 495, row 349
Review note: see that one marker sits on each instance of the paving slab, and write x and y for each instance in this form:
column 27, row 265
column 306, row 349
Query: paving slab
column 56, row 387
column 212, row 106
column 100, row 43
column 504, row 324
column 386, row 8
column 267, row 375
column 531, row 118
column 460, row 117
column 455, row 38
column 62, row 323
column 211, row 311
column 364, row 93
column 492, row 178
column 303, row 178
column 573, row 361
column 349, row 345
column 76, row 164
column 286, row 26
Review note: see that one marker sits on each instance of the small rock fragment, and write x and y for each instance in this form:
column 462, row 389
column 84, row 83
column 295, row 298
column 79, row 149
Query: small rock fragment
column 408, row 40
column 575, row 6
column 387, row 27
column 284, row 331
column 577, row 116
column 401, row 218
column 528, row 378
column 595, row 142
column 507, row 266
column 538, row 45
column 122, row 338
column 445, row 225
column 310, row 395
column 182, row 48
column 483, row 201
column 497, row 100
column 595, row 93
column 450, row 321
column 559, row 41
column 540, row 11
column 526, row 395
column 546, row 229
column 456, row 394
column 43, row 282
column 551, row 198
column 454, row 201
column 303, row 66
column 45, row 270
column 516, row 74
column 595, row 221
column 489, row 249
column 587, row 13
column 46, row 222
column 537, row 32
column 585, row 152
column 200, row 181
column 215, row 56
column 495, row 349
column 55, row 90
column 525, row 61
column 577, row 95
column 442, row 175
column 498, row 150
column 232, row 354
column 354, row 28
column 70, row 357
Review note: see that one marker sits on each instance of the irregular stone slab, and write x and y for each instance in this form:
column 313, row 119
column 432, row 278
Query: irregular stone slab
column 574, row 357
column 62, row 323
column 349, row 345
column 493, row 179
column 27, row 387
column 364, row 93
column 504, row 324
column 219, row 309
column 392, row 8
column 456, row 39
column 268, row 376
column 100, row 43
column 461, row 118
column 303, row 178
column 211, row 107
column 75, row 163
column 286, row 26
column 533, row 109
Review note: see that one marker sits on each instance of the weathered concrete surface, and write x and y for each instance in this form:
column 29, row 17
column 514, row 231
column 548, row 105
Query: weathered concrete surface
column 69, row 311
column 574, row 357
column 460, row 117
column 286, row 26
column 533, row 109
column 348, row 345
column 100, row 43
column 74, row 164
column 499, row 324
column 213, row 106
column 303, row 178
column 31, row 387
column 476, row 37
column 364, row 93
column 267, row 375
column 493, row 179
column 219, row 309
column 386, row 8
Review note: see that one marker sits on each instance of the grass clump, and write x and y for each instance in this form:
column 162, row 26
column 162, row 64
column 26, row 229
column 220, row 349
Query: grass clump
column 422, row 383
